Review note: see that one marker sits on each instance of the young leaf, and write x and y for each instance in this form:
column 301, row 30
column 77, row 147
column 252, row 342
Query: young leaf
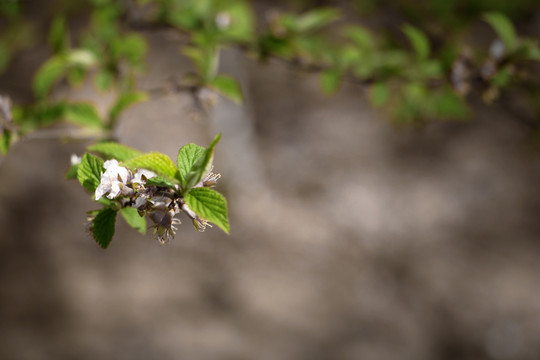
column 503, row 27
column 132, row 217
column 330, row 81
column 201, row 167
column 84, row 114
column 419, row 41
column 103, row 227
column 124, row 101
column 89, row 172
column 187, row 157
column 227, row 86
column 48, row 74
column 209, row 205
column 113, row 150
column 159, row 163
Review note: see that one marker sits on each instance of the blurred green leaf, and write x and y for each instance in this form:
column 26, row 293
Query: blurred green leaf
column 330, row 81
column 132, row 217
column 103, row 227
column 124, row 101
column 379, row 94
column 103, row 80
column 316, row 19
column 360, row 36
column 227, row 86
column 504, row 29
column 210, row 205
column 48, row 74
column 84, row 114
column 236, row 21
column 76, row 76
column 6, row 138
column 58, row 34
column 133, row 47
column 418, row 40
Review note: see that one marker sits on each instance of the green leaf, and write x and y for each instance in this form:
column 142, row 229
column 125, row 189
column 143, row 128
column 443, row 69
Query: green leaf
column 330, row 81
column 132, row 217
column 133, row 47
column 201, row 167
column 187, row 157
column 316, row 19
column 48, row 74
column 209, row 205
column 159, row 163
column 76, row 76
column 379, row 93
column 113, row 150
column 241, row 27
column 103, row 227
column 103, row 80
column 6, row 139
column 227, row 86
column 84, row 114
column 72, row 172
column 360, row 36
column 418, row 40
column 81, row 57
column 57, row 34
column 503, row 27
column 89, row 172
column 124, row 101
column 161, row 181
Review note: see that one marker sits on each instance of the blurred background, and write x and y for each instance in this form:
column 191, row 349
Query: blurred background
column 351, row 237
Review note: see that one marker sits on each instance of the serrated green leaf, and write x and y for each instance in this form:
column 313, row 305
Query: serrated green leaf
column 187, row 157
column 201, row 167
column 124, row 101
column 48, row 74
column 132, row 217
column 103, row 80
column 210, row 205
column 113, row 150
column 418, row 40
column 379, row 93
column 227, row 86
column 89, row 172
column 84, row 114
column 103, row 227
column 330, row 81
column 159, row 163
column 57, row 34
column 503, row 27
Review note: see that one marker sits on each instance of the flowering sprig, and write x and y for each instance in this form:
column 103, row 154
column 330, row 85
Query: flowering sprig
column 140, row 186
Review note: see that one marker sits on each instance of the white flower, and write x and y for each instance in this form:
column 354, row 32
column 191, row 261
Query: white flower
column 114, row 181
column 138, row 176
column 75, row 160
column 223, row 20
